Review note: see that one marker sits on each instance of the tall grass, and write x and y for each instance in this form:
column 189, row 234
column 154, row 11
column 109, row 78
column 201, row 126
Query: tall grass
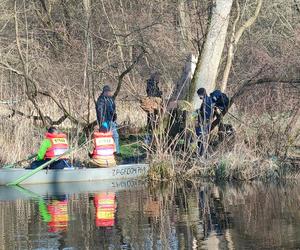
column 261, row 147
column 21, row 136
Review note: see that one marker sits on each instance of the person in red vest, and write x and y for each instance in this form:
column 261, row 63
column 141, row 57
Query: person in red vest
column 54, row 144
column 103, row 148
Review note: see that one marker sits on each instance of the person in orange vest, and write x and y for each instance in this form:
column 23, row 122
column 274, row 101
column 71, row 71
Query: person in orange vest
column 103, row 148
column 54, row 144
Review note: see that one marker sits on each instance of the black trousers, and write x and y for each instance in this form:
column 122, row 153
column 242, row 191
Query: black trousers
column 59, row 164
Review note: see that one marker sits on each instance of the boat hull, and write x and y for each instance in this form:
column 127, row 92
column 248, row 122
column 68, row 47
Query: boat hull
column 75, row 175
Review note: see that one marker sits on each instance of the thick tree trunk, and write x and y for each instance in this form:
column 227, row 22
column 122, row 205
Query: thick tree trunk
column 208, row 62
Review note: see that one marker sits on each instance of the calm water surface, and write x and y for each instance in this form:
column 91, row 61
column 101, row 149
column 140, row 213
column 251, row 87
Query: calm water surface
column 131, row 215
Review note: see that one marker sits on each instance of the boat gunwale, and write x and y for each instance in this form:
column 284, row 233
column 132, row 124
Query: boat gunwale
column 65, row 178
column 77, row 168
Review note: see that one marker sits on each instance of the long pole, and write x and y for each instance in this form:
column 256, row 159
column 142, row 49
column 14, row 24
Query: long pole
column 31, row 173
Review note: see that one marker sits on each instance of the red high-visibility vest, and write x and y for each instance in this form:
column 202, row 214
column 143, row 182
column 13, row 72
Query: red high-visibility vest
column 104, row 145
column 59, row 145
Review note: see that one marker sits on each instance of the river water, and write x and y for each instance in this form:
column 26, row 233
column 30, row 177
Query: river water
column 132, row 215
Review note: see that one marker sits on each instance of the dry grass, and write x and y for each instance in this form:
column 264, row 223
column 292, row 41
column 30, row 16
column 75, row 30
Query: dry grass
column 260, row 148
column 21, row 136
column 18, row 140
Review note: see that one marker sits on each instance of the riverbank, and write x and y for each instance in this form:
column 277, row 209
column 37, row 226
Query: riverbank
column 261, row 146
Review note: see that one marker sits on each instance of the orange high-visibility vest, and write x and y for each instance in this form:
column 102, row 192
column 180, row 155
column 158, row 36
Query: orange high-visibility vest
column 104, row 148
column 59, row 145
column 104, row 144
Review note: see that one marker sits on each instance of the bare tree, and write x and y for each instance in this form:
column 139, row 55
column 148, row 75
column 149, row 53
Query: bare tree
column 209, row 59
column 235, row 38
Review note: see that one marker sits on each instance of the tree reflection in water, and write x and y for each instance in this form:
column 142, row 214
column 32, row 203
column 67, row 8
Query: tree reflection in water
column 173, row 216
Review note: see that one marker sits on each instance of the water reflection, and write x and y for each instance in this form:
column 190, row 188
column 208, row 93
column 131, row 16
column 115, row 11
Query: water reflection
column 203, row 216
column 54, row 211
column 105, row 204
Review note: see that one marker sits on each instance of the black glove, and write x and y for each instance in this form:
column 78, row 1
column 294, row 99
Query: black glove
column 115, row 117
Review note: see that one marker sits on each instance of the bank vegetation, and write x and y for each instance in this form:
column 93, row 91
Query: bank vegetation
column 56, row 56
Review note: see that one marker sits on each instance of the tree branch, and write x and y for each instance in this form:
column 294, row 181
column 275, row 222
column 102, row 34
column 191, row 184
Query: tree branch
column 235, row 38
column 44, row 93
column 61, row 106
column 126, row 71
column 252, row 82
column 37, row 118
column 30, row 95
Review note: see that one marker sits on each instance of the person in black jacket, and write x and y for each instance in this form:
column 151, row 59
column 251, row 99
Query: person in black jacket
column 106, row 114
column 205, row 112
column 212, row 106
column 153, row 90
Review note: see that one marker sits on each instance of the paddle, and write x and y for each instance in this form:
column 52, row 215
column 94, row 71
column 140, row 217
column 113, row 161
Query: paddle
column 18, row 162
column 31, row 173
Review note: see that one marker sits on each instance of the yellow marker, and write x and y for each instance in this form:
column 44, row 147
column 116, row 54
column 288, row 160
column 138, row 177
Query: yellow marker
column 59, row 141
column 104, row 141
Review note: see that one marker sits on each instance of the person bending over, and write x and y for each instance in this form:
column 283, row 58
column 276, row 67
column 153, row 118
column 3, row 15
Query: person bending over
column 212, row 106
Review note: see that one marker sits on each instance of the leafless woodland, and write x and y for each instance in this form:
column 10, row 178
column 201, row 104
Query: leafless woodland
column 57, row 54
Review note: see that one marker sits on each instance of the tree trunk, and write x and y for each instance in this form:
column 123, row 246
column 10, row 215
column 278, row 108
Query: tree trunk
column 182, row 87
column 88, row 58
column 208, row 62
column 184, row 24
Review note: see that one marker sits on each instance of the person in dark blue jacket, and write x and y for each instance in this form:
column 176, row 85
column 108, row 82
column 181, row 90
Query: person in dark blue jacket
column 205, row 113
column 212, row 105
column 106, row 114
column 204, row 116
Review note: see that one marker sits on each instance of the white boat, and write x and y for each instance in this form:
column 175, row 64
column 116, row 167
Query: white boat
column 74, row 174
